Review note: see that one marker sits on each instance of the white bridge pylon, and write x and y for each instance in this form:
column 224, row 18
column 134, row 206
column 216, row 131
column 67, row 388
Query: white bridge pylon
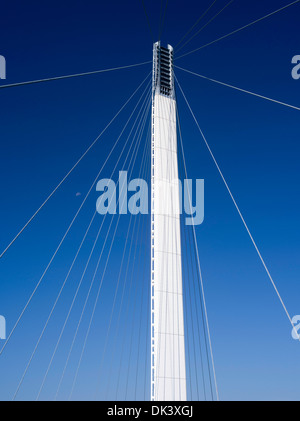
column 168, row 371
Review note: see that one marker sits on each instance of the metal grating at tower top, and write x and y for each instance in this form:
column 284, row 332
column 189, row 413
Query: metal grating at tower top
column 163, row 76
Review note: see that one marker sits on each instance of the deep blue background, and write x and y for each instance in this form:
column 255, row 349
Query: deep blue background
column 44, row 128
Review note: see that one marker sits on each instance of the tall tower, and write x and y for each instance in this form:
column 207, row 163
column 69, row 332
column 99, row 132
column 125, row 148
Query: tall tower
column 168, row 372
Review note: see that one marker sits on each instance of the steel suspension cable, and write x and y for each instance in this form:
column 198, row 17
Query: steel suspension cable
column 75, row 258
column 148, row 21
column 204, row 26
column 49, row 79
column 80, row 282
column 53, row 256
column 136, row 265
column 200, row 298
column 189, row 253
column 195, row 24
column 71, row 170
column 64, row 283
column 160, row 16
column 99, row 289
column 122, row 297
column 142, row 297
column 148, row 307
column 114, row 303
column 240, row 89
column 199, row 267
column 113, row 308
column 239, row 29
column 240, row 213
column 90, row 288
column 163, row 21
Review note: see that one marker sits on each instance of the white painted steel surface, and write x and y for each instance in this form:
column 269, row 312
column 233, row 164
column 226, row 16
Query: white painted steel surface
column 168, row 372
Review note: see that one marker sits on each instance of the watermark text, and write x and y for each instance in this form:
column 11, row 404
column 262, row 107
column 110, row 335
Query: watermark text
column 2, row 328
column 169, row 197
column 296, row 69
column 2, row 67
column 296, row 328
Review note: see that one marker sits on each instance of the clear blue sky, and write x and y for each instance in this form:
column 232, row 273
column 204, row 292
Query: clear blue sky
column 44, row 129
